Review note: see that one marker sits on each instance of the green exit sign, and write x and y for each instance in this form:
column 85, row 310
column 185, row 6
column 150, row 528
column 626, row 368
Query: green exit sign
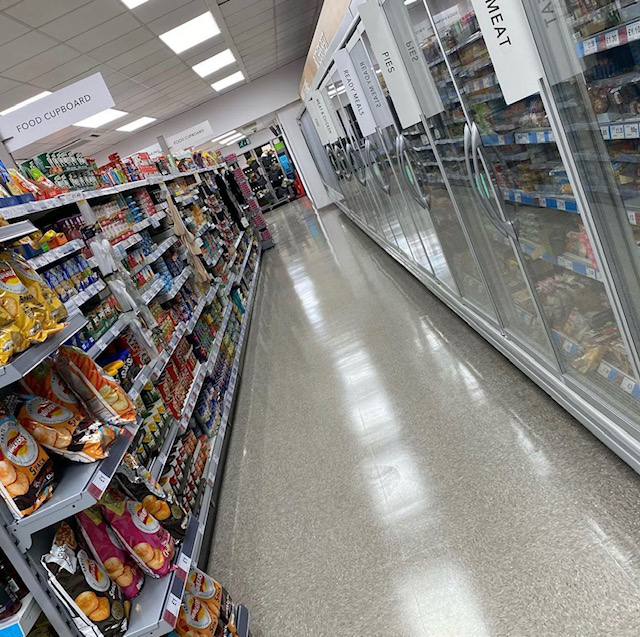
column 243, row 142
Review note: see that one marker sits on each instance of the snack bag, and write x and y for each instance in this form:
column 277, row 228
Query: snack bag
column 105, row 547
column 150, row 545
column 195, row 619
column 45, row 381
column 64, row 432
column 40, row 291
column 104, row 398
column 207, row 590
column 26, row 472
column 140, row 485
column 83, row 586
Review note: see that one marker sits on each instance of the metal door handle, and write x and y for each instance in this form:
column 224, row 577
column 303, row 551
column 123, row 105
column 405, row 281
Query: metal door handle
column 361, row 175
column 345, row 163
column 371, row 156
column 414, row 188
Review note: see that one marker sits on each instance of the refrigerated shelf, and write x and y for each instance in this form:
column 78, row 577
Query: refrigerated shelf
column 607, row 39
column 541, row 200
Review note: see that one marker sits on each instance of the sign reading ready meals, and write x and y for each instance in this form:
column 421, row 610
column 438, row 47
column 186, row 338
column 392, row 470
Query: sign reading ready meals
column 54, row 112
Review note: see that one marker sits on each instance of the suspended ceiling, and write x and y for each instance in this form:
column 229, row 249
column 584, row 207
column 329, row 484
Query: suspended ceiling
column 48, row 44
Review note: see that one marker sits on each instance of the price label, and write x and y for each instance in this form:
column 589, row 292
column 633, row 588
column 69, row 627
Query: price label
column 561, row 204
column 184, row 562
column 633, row 31
column 604, row 370
column 631, row 131
column 542, row 137
column 591, row 273
column 522, row 138
column 98, row 485
column 617, row 131
column 611, row 39
column 567, row 346
column 628, row 384
column 606, row 133
column 590, row 46
column 564, row 263
column 173, row 605
column 632, row 217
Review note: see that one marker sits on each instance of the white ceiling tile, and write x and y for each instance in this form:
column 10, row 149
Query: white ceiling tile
column 11, row 29
column 141, row 57
column 89, row 39
column 264, row 19
column 6, row 84
column 36, row 12
column 233, row 6
column 177, row 82
column 160, row 78
column 150, row 11
column 65, row 73
column 4, row 4
column 284, row 22
column 157, row 69
column 86, row 17
column 42, row 63
column 123, row 44
column 262, row 7
column 16, row 95
column 24, row 48
column 264, row 30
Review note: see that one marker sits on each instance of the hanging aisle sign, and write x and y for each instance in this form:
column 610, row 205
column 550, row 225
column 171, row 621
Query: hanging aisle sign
column 511, row 46
column 369, row 82
column 191, row 136
column 315, row 118
column 322, row 112
column 355, row 93
column 413, row 58
column 54, row 112
column 390, row 60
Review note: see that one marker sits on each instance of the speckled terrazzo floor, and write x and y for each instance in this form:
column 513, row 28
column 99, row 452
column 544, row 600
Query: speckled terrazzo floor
column 391, row 474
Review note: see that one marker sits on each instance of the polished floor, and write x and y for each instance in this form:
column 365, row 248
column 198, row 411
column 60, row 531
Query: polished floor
column 391, row 474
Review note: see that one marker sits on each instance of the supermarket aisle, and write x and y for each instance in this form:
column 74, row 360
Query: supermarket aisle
column 391, row 474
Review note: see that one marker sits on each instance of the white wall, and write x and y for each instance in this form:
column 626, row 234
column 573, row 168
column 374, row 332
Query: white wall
column 301, row 156
column 235, row 108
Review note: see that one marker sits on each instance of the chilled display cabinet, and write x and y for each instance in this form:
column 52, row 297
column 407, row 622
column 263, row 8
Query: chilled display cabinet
column 522, row 214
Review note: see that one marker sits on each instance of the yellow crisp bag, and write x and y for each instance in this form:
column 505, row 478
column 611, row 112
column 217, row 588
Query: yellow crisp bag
column 39, row 289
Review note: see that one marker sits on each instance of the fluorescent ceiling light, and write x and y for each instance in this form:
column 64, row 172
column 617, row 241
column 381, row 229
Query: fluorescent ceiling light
column 132, row 4
column 221, row 137
column 137, row 123
column 214, row 63
column 15, row 107
column 409, row 2
column 100, row 119
column 234, row 140
column 191, row 33
column 226, row 138
column 234, row 78
column 231, row 139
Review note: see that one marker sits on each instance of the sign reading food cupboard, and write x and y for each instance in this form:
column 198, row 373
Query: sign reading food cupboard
column 190, row 136
column 54, row 112
column 511, row 46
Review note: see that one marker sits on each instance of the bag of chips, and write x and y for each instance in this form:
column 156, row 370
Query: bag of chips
column 104, row 398
column 140, row 485
column 44, row 381
column 106, row 548
column 41, row 292
column 150, row 545
column 62, row 431
column 195, row 619
column 26, row 472
column 83, row 586
column 207, row 590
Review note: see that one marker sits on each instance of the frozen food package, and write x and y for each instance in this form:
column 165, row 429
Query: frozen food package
column 83, row 586
column 106, row 549
column 214, row 595
column 145, row 539
column 62, row 431
column 140, row 485
column 26, row 471
column 40, row 290
column 104, row 398
column 195, row 619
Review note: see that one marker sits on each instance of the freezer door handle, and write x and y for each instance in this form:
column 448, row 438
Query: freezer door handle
column 355, row 162
column 375, row 169
column 334, row 162
column 345, row 165
column 408, row 174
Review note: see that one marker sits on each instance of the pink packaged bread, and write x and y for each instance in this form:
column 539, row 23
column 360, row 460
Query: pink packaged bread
column 150, row 545
column 107, row 550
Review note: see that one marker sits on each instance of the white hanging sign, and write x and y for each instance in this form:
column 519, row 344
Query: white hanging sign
column 389, row 58
column 324, row 116
column 511, row 46
column 413, row 58
column 317, row 123
column 355, row 92
column 191, row 136
column 372, row 89
column 54, row 112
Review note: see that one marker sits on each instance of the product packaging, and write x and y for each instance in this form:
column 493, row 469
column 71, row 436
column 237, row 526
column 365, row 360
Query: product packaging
column 212, row 594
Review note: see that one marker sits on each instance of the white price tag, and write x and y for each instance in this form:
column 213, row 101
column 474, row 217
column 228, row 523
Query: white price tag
column 591, row 273
column 606, row 133
column 173, row 604
column 541, row 137
column 628, row 384
column 560, row 204
column 617, row 131
column 631, row 131
column 590, row 46
column 184, row 562
column 567, row 346
column 564, row 263
column 611, row 39
column 633, row 31
column 604, row 370
column 522, row 138
column 632, row 217
column 100, row 481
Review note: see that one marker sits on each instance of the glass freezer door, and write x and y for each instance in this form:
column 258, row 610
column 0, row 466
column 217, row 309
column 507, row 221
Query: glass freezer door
column 523, row 185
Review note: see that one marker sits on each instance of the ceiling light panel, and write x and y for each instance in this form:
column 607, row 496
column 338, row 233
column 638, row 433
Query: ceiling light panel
column 221, row 137
column 132, row 4
column 191, row 33
column 138, row 123
column 100, row 119
column 15, row 107
column 214, row 63
column 233, row 141
column 230, row 80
